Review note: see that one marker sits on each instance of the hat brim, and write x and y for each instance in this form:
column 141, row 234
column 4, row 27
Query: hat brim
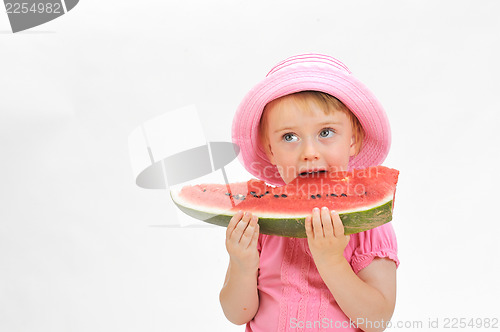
column 344, row 86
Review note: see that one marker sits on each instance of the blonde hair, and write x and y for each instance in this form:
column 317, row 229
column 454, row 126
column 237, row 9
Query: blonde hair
column 326, row 102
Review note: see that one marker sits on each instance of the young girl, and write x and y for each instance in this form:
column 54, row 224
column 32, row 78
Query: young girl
column 309, row 114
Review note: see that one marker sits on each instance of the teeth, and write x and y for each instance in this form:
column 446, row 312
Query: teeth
column 312, row 172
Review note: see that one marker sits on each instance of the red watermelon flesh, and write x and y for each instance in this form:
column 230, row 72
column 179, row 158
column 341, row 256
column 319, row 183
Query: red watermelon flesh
column 363, row 198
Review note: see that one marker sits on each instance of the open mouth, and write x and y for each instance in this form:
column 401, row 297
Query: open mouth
column 312, row 172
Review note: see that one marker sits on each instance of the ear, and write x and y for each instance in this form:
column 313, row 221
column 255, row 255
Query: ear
column 353, row 148
column 269, row 153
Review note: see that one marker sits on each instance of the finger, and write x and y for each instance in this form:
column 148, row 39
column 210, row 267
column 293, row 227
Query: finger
column 232, row 223
column 326, row 221
column 316, row 222
column 253, row 220
column 247, row 235
column 309, row 229
column 338, row 227
column 255, row 237
column 240, row 228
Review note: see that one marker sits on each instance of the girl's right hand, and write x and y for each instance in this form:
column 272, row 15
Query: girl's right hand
column 241, row 241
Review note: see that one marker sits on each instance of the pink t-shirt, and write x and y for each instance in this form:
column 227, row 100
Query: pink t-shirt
column 292, row 295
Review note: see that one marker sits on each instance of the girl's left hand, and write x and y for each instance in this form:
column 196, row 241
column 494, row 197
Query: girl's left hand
column 325, row 235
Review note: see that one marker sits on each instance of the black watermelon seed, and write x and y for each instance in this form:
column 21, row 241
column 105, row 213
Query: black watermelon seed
column 267, row 192
column 334, row 195
column 276, row 196
column 252, row 192
column 318, row 195
column 313, row 197
column 343, row 195
column 206, row 190
column 365, row 192
column 283, row 195
column 228, row 194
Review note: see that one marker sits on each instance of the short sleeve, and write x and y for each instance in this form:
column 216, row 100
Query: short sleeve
column 377, row 242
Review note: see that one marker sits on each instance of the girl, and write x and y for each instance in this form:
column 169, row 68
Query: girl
column 309, row 114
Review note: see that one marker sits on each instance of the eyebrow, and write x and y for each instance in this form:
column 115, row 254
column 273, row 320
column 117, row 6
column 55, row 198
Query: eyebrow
column 319, row 124
column 282, row 129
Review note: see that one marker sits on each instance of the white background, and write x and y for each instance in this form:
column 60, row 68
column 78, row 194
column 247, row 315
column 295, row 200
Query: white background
column 79, row 249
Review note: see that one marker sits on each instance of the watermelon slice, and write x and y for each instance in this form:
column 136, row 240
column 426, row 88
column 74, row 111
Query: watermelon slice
column 364, row 198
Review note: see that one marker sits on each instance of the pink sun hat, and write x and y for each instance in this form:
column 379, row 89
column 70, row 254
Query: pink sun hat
column 315, row 72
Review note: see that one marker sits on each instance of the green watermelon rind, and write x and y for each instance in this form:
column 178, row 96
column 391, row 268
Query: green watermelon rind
column 354, row 222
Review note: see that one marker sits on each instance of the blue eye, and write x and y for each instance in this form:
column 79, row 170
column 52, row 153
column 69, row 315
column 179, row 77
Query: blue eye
column 327, row 132
column 288, row 137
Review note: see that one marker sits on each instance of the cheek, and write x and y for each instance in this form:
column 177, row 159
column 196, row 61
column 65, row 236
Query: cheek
column 283, row 152
column 338, row 156
column 285, row 160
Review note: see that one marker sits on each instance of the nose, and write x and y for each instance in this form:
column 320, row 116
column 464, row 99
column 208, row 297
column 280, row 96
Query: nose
column 310, row 151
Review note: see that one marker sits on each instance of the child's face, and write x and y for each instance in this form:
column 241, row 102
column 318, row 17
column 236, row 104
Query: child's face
column 303, row 141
